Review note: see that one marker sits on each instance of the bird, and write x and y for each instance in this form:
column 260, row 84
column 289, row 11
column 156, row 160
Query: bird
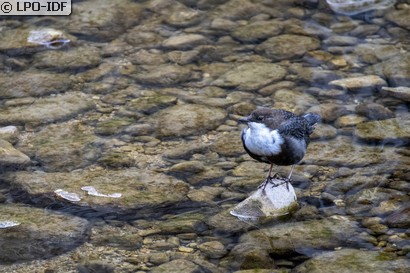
column 277, row 137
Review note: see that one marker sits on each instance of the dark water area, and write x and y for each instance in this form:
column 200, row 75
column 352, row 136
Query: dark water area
column 120, row 146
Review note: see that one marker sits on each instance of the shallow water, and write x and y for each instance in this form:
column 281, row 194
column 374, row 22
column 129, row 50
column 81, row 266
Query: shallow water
column 141, row 106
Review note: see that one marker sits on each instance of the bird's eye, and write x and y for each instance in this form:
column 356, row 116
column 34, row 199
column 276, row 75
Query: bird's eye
column 259, row 117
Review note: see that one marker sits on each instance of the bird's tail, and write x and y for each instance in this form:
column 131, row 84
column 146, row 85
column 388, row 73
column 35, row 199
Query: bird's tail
column 312, row 119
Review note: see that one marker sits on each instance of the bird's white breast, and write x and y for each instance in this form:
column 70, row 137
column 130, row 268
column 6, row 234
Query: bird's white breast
column 262, row 141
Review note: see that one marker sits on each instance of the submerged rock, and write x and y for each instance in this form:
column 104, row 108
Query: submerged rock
column 283, row 239
column 9, row 133
column 75, row 58
column 41, row 234
column 359, row 83
column 178, row 265
column 166, row 74
column 186, row 119
column 349, row 7
column 401, row 92
column 138, row 188
column 63, row 146
column 394, row 130
column 11, row 157
column 103, row 21
column 251, row 76
column 354, row 260
column 287, row 46
column 47, row 109
column 340, row 151
column 33, row 83
column 25, row 41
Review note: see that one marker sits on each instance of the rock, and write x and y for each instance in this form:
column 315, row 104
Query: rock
column 11, row 157
column 209, row 175
column 394, row 70
column 399, row 17
column 9, row 134
column 186, row 119
column 33, row 83
column 238, row 10
column 166, row 74
column 30, row 40
column 226, row 223
column 349, row 120
column 139, row 189
column 150, row 104
column 256, row 31
column 360, row 83
column 178, row 265
column 329, row 111
column 374, row 111
column 181, row 16
column 399, row 219
column 47, row 109
column 364, row 30
column 55, row 233
column 294, row 101
column 354, row 183
column 147, row 57
column 249, row 256
column 75, row 58
column 184, row 41
column 186, row 150
column 307, row 237
column 102, row 21
column 341, row 152
column 323, row 132
column 187, row 168
column 213, row 249
column 354, row 260
column 287, row 46
column 314, row 75
column 228, row 144
column 401, row 92
column 374, row 53
column 205, row 194
column 251, row 76
column 123, row 237
column 339, row 40
column 394, row 130
column 185, row 223
column 112, row 126
column 365, row 200
column 63, row 146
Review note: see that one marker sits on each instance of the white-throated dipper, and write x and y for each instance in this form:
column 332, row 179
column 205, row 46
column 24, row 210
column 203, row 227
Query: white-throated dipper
column 277, row 136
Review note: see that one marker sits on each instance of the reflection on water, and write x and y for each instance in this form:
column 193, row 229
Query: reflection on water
column 142, row 105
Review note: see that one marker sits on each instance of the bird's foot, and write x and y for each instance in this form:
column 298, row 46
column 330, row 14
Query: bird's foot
column 268, row 180
column 273, row 181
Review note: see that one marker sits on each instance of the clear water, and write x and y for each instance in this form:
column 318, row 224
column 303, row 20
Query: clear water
column 142, row 105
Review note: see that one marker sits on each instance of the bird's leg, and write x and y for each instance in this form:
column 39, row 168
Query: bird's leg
column 291, row 171
column 263, row 185
column 288, row 180
column 270, row 171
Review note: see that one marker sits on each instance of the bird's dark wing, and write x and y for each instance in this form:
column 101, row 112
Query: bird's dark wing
column 296, row 127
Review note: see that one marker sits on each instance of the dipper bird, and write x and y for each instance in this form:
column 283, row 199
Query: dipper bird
column 277, row 136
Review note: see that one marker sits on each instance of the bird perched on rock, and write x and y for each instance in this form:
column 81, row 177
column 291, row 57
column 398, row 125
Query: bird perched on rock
column 277, row 136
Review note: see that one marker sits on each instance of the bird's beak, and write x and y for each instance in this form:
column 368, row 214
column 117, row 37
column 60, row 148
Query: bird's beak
column 244, row 120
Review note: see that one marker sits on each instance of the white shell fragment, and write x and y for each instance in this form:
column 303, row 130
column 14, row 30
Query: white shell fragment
column 7, row 224
column 70, row 196
column 352, row 7
column 277, row 198
column 92, row 191
column 48, row 37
